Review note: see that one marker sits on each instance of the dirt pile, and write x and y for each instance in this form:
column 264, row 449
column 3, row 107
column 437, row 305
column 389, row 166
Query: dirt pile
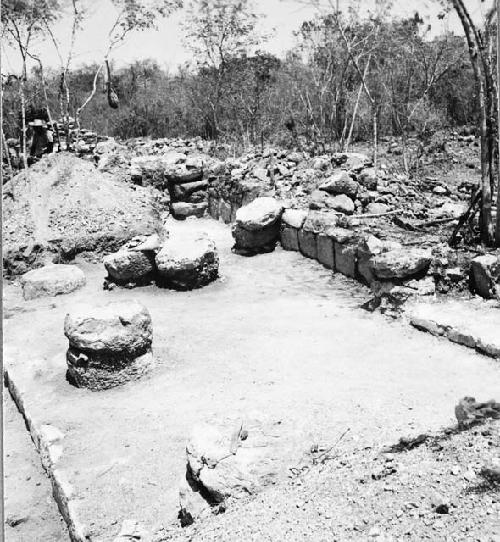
column 63, row 206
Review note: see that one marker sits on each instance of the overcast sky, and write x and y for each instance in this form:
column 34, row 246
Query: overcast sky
column 165, row 45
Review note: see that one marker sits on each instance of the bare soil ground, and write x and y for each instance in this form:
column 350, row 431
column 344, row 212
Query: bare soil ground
column 277, row 337
column 31, row 514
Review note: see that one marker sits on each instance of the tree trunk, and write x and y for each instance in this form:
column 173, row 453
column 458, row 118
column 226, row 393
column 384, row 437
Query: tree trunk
column 497, row 235
column 375, row 136
column 23, row 121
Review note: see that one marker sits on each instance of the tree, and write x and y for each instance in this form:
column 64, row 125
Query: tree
column 23, row 20
column 132, row 15
column 480, row 53
column 217, row 30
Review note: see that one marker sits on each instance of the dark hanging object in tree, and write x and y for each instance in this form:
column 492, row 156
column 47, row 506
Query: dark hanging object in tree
column 113, row 100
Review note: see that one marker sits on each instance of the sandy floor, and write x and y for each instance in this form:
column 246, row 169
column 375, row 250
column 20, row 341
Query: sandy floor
column 276, row 337
column 30, row 511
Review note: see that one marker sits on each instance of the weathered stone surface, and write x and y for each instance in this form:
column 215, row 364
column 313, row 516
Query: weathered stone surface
column 345, row 250
column 262, row 212
column 326, row 250
column 108, row 346
column 376, row 208
column 213, row 207
column 225, row 211
column 368, row 179
column 345, row 259
column 114, row 328
column 187, row 262
column 340, row 183
column 257, row 225
column 182, row 175
column 485, row 275
column 341, row 203
column 130, row 265
column 182, row 210
column 294, row 218
column 52, row 280
column 318, row 221
column 289, row 237
column 180, row 192
column 401, row 263
column 369, row 246
column 232, row 460
column 307, row 243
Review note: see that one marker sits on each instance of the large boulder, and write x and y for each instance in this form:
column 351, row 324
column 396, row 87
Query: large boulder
column 187, row 262
column 64, row 206
column 340, row 183
column 485, row 275
column 108, row 345
column 52, row 280
column 401, row 263
column 257, row 225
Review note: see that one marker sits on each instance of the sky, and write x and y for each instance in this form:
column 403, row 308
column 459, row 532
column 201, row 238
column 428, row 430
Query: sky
column 281, row 19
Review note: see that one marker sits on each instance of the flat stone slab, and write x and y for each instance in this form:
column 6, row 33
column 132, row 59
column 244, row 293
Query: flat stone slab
column 278, row 337
column 474, row 323
column 52, row 280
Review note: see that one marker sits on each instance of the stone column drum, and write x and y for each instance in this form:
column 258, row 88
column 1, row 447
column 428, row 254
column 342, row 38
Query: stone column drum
column 108, row 345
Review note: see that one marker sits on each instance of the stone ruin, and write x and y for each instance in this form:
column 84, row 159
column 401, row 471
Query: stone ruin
column 108, row 345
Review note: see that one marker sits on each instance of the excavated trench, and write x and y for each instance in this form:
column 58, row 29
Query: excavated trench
column 277, row 335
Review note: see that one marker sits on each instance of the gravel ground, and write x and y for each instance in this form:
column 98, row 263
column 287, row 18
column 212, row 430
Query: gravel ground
column 431, row 492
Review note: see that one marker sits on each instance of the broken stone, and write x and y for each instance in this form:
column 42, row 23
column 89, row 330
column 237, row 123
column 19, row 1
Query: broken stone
column 186, row 262
column 52, row 280
column 108, row 345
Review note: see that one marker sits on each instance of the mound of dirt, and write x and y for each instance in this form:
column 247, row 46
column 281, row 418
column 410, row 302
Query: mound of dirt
column 63, row 206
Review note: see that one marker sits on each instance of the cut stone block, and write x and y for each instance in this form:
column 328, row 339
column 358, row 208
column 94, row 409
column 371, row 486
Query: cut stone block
column 182, row 210
column 307, row 243
column 326, row 250
column 52, row 280
column 289, row 238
